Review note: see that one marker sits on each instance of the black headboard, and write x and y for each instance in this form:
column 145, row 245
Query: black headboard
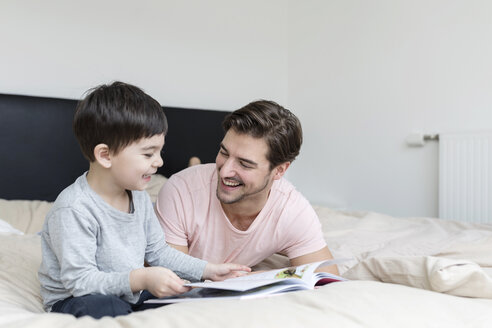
column 40, row 155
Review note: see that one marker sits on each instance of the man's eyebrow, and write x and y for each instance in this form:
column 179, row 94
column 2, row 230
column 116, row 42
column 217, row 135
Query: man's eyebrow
column 241, row 158
column 248, row 161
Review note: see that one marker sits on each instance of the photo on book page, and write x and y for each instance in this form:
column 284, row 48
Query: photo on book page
column 264, row 283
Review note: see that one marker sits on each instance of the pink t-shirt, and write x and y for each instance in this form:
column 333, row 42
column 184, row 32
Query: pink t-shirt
column 191, row 215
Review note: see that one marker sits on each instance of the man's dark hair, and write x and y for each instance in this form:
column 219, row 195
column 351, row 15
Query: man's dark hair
column 267, row 119
column 116, row 114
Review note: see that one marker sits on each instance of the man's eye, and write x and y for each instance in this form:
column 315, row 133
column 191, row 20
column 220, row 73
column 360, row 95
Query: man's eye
column 223, row 153
column 246, row 166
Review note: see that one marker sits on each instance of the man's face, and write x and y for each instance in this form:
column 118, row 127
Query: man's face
column 242, row 168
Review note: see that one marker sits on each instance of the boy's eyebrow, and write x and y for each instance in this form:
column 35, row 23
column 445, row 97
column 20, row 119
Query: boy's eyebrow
column 240, row 158
column 150, row 147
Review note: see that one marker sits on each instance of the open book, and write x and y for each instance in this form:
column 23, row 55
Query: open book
column 258, row 284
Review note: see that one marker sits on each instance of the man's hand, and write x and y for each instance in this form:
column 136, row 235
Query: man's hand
column 159, row 281
column 224, row 271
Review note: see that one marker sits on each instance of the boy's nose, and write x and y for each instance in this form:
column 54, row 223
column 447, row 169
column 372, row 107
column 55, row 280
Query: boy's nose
column 159, row 162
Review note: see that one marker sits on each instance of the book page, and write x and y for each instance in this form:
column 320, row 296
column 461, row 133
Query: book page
column 197, row 294
column 261, row 284
column 302, row 275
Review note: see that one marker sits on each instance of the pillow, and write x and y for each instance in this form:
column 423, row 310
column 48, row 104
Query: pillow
column 155, row 185
column 19, row 284
column 25, row 215
column 444, row 275
column 6, row 228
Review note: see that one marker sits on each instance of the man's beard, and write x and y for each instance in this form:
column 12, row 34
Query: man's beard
column 244, row 195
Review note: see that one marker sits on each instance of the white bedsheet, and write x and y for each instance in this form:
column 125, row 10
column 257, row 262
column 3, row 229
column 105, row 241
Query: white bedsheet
column 412, row 270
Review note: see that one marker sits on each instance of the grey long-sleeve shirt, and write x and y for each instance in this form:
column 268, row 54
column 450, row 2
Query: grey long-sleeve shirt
column 89, row 247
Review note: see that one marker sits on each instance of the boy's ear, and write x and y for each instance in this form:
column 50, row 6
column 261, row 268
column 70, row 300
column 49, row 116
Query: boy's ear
column 280, row 170
column 102, row 155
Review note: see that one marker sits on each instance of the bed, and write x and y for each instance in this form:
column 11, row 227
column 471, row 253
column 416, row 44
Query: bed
column 403, row 272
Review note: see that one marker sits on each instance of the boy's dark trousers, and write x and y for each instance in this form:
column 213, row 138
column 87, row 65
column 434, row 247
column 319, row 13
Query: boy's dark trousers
column 98, row 305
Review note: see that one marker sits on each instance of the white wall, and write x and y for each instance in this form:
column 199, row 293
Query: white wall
column 365, row 74
column 215, row 54
column 360, row 74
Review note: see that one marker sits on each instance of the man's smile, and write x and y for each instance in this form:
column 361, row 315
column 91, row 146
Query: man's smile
column 231, row 182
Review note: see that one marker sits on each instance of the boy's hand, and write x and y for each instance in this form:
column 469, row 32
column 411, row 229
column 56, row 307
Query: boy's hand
column 159, row 281
column 224, row 271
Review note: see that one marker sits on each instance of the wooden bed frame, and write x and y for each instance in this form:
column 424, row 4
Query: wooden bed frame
column 40, row 155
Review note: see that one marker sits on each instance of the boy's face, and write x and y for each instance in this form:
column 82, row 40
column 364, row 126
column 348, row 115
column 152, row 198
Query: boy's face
column 242, row 167
column 133, row 166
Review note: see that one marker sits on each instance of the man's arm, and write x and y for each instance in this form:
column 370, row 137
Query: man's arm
column 321, row 255
column 183, row 249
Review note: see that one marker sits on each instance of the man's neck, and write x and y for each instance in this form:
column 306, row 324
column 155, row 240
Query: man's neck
column 243, row 213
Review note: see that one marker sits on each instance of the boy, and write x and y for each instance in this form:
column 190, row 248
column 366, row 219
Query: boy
column 103, row 227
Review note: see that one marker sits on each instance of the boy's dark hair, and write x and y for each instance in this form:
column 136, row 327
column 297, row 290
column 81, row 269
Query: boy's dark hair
column 267, row 119
column 116, row 115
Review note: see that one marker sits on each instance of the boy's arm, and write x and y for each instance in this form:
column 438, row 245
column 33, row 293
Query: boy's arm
column 180, row 248
column 158, row 281
column 73, row 241
column 159, row 253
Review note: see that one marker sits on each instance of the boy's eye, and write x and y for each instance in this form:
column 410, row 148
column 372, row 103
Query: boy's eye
column 223, row 153
column 148, row 155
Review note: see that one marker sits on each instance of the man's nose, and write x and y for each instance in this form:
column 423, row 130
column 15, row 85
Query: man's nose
column 228, row 168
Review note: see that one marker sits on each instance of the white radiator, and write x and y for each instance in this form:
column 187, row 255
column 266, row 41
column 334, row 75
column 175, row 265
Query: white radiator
column 465, row 176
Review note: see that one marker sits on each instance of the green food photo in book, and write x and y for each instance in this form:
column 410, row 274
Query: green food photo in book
column 259, row 284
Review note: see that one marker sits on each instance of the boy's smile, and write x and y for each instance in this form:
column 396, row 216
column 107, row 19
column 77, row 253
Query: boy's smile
column 147, row 177
column 133, row 167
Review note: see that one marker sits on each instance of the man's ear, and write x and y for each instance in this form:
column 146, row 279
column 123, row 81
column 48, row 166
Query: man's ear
column 102, row 155
column 280, row 170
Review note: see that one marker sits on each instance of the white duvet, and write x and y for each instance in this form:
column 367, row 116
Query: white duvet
column 439, row 255
column 405, row 273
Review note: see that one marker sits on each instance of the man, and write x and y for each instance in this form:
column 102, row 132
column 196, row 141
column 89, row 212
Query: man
column 241, row 209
